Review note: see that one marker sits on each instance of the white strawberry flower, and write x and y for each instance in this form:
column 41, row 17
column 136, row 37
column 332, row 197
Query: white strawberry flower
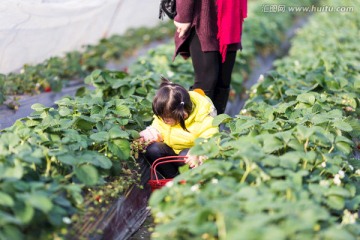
column 341, row 174
column 349, row 218
column 169, row 184
column 195, row 188
column 337, row 180
column 214, row 181
column 170, row 73
column 261, row 78
column 66, row 220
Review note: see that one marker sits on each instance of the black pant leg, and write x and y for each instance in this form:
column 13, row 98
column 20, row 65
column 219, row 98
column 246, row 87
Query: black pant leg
column 157, row 150
column 206, row 67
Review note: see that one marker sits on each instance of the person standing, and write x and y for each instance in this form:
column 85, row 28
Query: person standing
column 209, row 31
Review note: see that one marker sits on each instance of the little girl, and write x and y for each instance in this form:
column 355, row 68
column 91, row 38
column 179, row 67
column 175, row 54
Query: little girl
column 181, row 116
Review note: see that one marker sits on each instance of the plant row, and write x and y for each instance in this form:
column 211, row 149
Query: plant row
column 54, row 158
column 51, row 158
column 285, row 169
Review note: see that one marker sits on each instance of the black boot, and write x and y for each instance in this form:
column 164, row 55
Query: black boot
column 220, row 99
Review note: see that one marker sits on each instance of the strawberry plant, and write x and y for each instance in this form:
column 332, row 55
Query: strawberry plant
column 57, row 159
column 55, row 72
column 49, row 157
column 285, row 168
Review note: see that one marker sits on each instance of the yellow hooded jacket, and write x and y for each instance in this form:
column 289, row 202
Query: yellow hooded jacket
column 199, row 124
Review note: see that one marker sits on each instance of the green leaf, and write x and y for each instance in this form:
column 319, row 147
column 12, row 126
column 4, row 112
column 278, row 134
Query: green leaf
column 338, row 191
column 141, row 91
column 319, row 118
column 38, row 107
column 15, row 172
column 24, row 212
column 122, row 111
column 306, row 98
column 65, row 102
column 85, row 123
column 64, row 111
column 344, row 147
column 133, row 133
column 357, row 83
column 336, row 232
column 286, row 136
column 12, row 232
column 88, row 157
column 87, row 174
column 221, row 118
column 56, row 215
column 37, row 200
column 342, row 125
column 120, row 148
column 277, row 172
column 127, row 91
column 94, row 75
column 335, row 202
column 94, row 158
column 290, row 160
column 68, row 159
column 243, row 125
column 271, row 143
column 6, row 200
column 282, row 107
column 304, row 132
column 6, row 218
column 100, row 137
column 9, row 139
column 117, row 132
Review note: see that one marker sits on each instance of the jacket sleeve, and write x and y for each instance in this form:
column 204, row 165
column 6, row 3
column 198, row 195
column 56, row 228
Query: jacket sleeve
column 184, row 11
column 207, row 130
column 156, row 124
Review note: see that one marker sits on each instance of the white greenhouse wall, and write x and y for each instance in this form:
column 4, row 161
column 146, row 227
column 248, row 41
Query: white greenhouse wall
column 34, row 30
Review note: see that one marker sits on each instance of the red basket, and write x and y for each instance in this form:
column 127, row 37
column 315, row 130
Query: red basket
column 155, row 182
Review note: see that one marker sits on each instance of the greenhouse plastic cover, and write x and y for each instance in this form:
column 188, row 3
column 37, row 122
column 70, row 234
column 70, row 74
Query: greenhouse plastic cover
column 34, row 30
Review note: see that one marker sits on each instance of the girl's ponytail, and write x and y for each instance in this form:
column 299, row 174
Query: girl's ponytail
column 172, row 101
column 181, row 118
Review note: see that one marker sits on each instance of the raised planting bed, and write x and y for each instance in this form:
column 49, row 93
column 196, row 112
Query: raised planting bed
column 288, row 167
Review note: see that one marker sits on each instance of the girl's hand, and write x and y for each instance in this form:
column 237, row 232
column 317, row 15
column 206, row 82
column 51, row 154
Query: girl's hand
column 195, row 161
column 150, row 135
column 182, row 28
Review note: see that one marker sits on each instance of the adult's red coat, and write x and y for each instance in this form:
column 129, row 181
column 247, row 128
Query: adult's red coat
column 202, row 14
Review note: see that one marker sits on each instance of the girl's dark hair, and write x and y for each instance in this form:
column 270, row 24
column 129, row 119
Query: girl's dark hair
column 172, row 101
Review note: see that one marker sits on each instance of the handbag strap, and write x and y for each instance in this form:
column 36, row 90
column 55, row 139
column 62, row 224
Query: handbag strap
column 163, row 160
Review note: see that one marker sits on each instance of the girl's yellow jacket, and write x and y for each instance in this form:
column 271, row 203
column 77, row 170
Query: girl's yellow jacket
column 199, row 124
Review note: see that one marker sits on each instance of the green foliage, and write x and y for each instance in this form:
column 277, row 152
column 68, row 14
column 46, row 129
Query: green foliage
column 55, row 72
column 285, row 168
column 49, row 157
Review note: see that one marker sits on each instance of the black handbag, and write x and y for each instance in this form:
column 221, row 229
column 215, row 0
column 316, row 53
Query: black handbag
column 167, row 7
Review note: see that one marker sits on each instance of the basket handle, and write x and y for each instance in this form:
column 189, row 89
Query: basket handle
column 163, row 160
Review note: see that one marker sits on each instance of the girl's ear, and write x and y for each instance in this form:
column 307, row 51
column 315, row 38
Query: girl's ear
column 186, row 115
